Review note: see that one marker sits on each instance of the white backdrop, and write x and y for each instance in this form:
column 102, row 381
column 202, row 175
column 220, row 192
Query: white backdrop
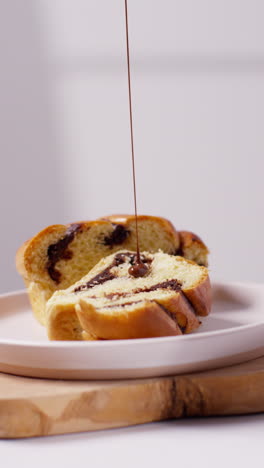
column 198, row 99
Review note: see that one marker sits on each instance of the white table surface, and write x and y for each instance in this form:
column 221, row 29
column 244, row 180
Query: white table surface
column 212, row 442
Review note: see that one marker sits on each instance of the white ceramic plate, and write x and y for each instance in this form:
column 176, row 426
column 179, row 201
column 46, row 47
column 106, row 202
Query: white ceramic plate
column 232, row 333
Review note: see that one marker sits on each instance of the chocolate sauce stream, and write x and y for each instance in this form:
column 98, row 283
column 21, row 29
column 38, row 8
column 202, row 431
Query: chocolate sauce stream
column 131, row 127
column 139, row 269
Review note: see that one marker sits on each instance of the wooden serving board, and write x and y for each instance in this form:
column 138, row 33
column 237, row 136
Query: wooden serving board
column 35, row 407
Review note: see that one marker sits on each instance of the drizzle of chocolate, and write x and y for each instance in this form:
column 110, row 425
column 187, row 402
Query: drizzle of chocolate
column 117, row 236
column 139, row 269
column 59, row 250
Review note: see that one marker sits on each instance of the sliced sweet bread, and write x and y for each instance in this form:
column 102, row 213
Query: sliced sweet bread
column 109, row 303
column 60, row 255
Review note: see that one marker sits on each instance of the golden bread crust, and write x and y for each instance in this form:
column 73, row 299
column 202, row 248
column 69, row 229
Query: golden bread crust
column 188, row 238
column 145, row 321
column 183, row 311
column 201, row 297
column 193, row 248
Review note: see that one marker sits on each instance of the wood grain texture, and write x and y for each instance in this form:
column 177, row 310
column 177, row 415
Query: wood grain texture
column 36, row 407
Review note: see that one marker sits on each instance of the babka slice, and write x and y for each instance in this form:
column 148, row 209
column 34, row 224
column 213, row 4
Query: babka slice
column 110, row 303
column 60, row 255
